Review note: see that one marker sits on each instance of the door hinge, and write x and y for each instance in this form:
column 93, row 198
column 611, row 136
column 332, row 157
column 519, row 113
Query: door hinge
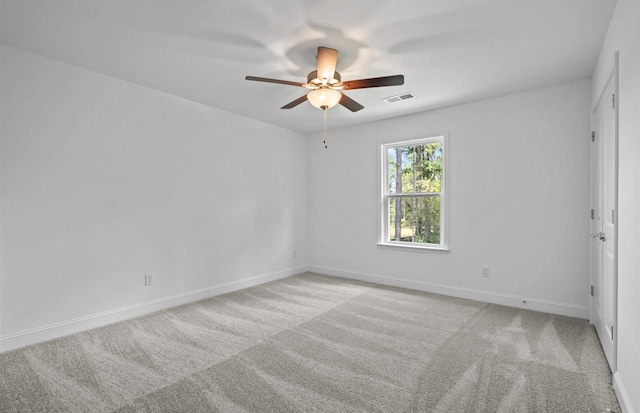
column 593, row 291
column 613, row 216
column 613, row 101
column 593, row 136
column 593, row 213
column 611, row 333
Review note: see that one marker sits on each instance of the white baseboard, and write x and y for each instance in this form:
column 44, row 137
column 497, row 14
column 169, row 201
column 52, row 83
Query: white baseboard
column 49, row 332
column 529, row 303
column 621, row 394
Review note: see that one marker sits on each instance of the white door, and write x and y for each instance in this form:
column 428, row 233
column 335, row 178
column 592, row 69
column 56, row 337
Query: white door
column 604, row 218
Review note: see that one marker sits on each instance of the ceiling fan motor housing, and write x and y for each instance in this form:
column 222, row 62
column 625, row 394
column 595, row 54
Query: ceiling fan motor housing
column 312, row 79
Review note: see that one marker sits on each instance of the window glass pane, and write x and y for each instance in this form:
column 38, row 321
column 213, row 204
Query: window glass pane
column 392, row 171
column 415, row 219
column 416, row 168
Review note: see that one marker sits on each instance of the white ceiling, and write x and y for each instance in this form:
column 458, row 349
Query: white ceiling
column 450, row 51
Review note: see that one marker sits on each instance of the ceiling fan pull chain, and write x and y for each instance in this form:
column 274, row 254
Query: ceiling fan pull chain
column 325, row 127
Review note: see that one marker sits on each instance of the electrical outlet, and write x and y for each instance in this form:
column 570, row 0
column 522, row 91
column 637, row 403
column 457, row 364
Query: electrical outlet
column 148, row 279
column 485, row 271
column 295, row 253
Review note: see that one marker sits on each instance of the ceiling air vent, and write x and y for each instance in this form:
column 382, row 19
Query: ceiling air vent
column 398, row 98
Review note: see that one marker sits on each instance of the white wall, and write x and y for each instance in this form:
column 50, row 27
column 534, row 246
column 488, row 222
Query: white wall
column 624, row 36
column 519, row 176
column 104, row 181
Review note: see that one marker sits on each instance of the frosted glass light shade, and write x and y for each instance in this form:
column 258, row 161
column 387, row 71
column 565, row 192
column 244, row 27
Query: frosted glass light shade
column 324, row 97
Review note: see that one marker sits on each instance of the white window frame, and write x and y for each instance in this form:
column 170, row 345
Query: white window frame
column 384, row 196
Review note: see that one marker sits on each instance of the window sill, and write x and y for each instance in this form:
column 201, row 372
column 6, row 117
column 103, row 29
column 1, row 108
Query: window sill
column 414, row 247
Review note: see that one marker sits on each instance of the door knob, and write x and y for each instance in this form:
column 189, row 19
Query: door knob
column 599, row 235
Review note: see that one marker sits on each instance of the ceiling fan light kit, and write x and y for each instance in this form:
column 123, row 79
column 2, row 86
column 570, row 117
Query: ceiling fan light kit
column 325, row 84
column 324, row 97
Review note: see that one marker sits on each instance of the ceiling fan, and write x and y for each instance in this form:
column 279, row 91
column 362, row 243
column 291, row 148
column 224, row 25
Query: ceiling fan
column 326, row 84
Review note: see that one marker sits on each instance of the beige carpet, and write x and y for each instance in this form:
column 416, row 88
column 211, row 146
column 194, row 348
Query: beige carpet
column 314, row 343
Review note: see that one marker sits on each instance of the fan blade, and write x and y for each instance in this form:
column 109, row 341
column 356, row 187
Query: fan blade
column 374, row 82
column 327, row 59
column 281, row 82
column 295, row 102
column 350, row 104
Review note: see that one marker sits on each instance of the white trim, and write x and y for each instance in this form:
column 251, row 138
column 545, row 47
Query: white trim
column 413, row 246
column 509, row 300
column 621, row 394
column 49, row 332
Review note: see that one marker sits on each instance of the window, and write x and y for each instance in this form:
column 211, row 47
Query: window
column 413, row 197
